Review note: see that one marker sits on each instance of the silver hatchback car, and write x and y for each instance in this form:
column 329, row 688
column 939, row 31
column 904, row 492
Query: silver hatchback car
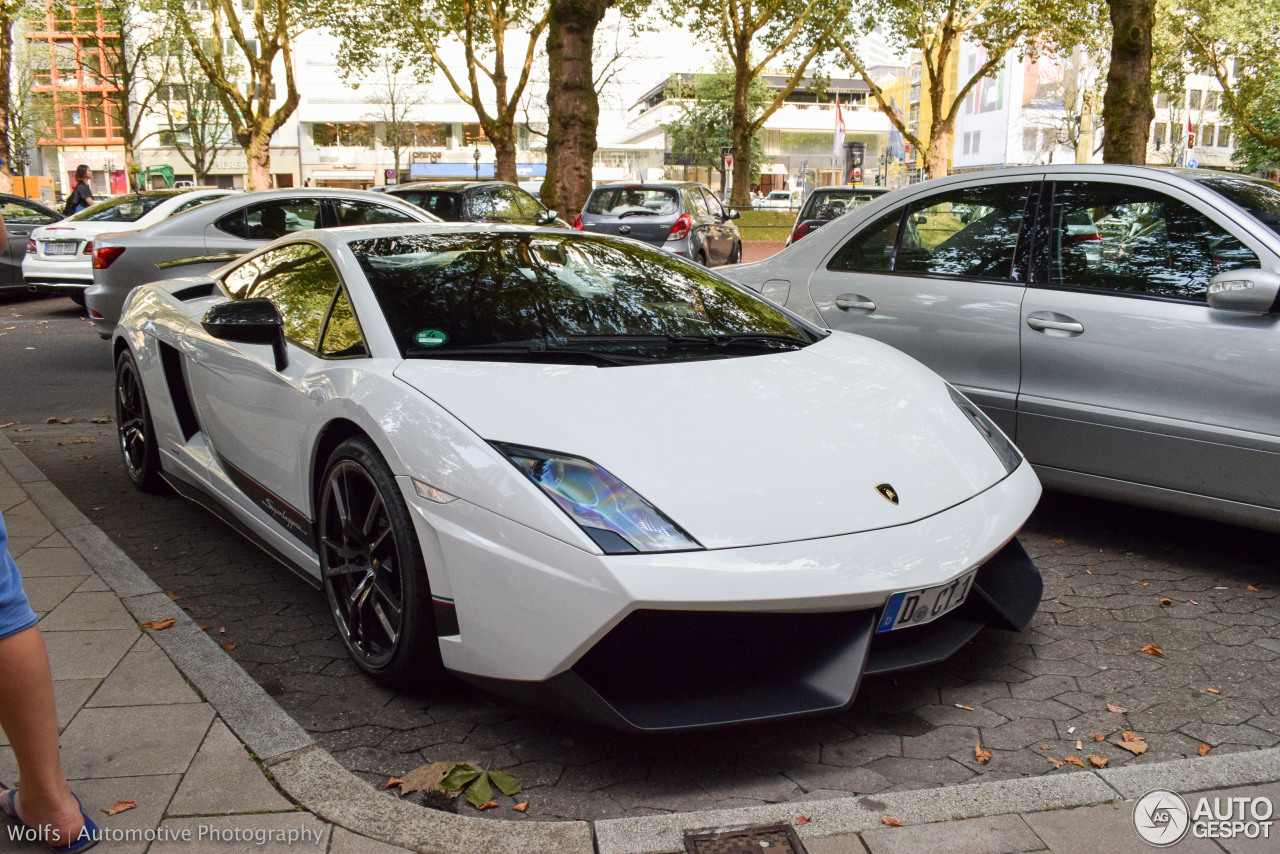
column 1121, row 323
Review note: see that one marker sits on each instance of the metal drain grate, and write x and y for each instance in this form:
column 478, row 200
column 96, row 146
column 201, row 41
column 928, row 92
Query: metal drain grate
column 777, row 839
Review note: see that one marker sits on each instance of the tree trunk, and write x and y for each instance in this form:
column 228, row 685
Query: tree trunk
column 504, row 152
column 1127, row 109
column 6, row 144
column 258, row 153
column 740, row 194
column 938, row 155
column 573, row 108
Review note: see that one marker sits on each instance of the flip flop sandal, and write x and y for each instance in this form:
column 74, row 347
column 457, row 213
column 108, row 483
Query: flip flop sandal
column 87, row 838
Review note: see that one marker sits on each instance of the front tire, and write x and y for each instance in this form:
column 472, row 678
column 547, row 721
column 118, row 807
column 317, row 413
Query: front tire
column 735, row 257
column 134, row 429
column 375, row 579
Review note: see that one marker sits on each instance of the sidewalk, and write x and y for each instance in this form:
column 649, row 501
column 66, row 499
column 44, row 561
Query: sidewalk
column 167, row 720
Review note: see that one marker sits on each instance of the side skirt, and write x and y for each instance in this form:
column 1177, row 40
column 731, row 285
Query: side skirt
column 195, row 493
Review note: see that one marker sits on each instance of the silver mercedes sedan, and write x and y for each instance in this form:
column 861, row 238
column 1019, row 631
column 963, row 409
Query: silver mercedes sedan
column 1121, row 323
column 198, row 241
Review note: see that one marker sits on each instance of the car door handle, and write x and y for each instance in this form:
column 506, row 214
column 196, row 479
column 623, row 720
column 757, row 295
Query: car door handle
column 193, row 353
column 854, row 302
column 1057, row 323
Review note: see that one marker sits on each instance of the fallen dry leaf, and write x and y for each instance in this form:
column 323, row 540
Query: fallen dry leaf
column 101, row 419
column 1204, row 748
column 121, row 806
column 1057, row 762
column 394, row 781
column 1251, row 587
column 425, row 778
column 521, row 807
column 1045, row 747
column 174, row 596
column 488, row 805
column 1213, row 690
column 81, row 441
column 1165, row 603
column 890, row 821
column 159, row 625
column 980, row 753
column 1060, row 542
column 228, row 645
column 1079, row 744
column 1097, row 736
column 1098, row 761
column 1152, row 649
column 7, row 424
column 1112, row 707
column 51, row 421
column 67, row 421
column 1137, row 748
column 1075, row 760
column 803, row 819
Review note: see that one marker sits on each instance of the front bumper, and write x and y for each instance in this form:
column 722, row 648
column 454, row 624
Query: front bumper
column 742, row 634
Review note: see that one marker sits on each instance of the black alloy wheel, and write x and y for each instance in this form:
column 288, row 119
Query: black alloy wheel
column 735, row 257
column 134, row 428
column 375, row 579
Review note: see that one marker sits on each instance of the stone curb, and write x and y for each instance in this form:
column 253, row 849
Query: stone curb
column 316, row 781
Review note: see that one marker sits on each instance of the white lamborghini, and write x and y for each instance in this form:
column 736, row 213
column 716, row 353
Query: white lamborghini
column 578, row 470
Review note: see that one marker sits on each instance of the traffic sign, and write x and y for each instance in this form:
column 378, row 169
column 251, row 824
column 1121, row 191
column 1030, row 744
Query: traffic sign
column 1193, row 163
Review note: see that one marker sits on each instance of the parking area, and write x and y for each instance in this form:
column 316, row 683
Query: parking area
column 1201, row 598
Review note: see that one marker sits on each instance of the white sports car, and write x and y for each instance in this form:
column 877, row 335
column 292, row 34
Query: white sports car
column 578, row 470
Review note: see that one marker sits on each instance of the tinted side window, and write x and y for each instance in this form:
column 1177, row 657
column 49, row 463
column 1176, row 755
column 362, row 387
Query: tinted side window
column 278, row 217
column 1115, row 237
column 697, row 204
column 194, row 203
column 972, row 232
column 870, row 249
column 528, row 205
column 300, row 283
column 342, row 333
column 366, row 213
column 234, row 224
column 713, row 204
column 16, row 213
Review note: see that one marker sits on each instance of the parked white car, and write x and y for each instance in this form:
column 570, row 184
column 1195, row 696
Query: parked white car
column 518, row 454
column 778, row 200
column 60, row 256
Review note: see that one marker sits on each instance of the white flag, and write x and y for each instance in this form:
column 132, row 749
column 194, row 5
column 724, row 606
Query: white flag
column 837, row 139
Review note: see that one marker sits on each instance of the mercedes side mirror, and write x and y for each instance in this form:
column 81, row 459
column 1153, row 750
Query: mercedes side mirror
column 1254, row 291
column 546, row 217
column 249, row 321
column 734, row 214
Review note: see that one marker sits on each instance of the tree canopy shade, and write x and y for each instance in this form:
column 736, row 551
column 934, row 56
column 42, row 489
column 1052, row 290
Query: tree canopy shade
column 757, row 35
column 414, row 31
column 934, row 29
column 1238, row 43
column 249, row 34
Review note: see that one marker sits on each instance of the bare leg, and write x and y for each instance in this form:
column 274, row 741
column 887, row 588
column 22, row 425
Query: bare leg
column 29, row 719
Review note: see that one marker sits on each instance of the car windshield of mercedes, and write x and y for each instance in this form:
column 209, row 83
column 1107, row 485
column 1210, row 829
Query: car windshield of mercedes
column 567, row 299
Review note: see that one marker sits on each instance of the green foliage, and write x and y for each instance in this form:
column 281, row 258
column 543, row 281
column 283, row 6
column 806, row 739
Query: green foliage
column 479, row 784
column 704, row 118
column 1252, row 155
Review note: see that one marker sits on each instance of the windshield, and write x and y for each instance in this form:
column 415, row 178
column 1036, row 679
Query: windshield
column 1260, row 198
column 641, row 200
column 549, row 292
column 127, row 208
column 829, row 204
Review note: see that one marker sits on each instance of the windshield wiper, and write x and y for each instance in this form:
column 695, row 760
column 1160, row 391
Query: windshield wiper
column 722, row 340
column 524, row 352
column 638, row 213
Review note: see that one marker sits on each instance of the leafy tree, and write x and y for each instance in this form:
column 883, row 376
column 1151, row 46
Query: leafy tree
column 1252, row 154
column 757, row 35
column 30, row 116
column 393, row 102
column 934, row 29
column 416, row 30
column 192, row 106
column 11, row 11
column 248, row 34
column 1238, row 43
column 703, row 122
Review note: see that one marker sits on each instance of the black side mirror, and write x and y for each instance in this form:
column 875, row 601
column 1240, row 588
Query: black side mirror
column 249, row 321
column 546, row 217
column 733, row 214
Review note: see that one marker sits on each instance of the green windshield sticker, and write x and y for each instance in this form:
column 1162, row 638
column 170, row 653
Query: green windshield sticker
column 431, row 338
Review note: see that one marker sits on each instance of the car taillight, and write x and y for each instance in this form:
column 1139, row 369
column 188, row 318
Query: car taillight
column 31, row 246
column 801, row 229
column 577, row 223
column 681, row 229
column 88, row 247
column 105, row 256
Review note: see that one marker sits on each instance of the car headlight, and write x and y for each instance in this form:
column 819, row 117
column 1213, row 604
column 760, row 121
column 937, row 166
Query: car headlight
column 1009, row 456
column 610, row 512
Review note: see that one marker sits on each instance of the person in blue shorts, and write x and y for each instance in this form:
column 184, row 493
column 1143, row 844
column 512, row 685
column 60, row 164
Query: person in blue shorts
column 45, row 806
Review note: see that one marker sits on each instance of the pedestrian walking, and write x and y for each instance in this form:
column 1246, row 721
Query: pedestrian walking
column 45, row 807
column 81, row 196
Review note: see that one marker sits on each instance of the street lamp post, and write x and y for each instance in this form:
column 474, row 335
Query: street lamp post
column 475, row 155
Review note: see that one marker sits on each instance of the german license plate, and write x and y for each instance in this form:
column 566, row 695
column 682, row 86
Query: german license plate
column 917, row 607
column 60, row 247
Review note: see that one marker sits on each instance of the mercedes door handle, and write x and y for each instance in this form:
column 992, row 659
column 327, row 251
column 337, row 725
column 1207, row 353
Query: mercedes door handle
column 854, row 302
column 1051, row 322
